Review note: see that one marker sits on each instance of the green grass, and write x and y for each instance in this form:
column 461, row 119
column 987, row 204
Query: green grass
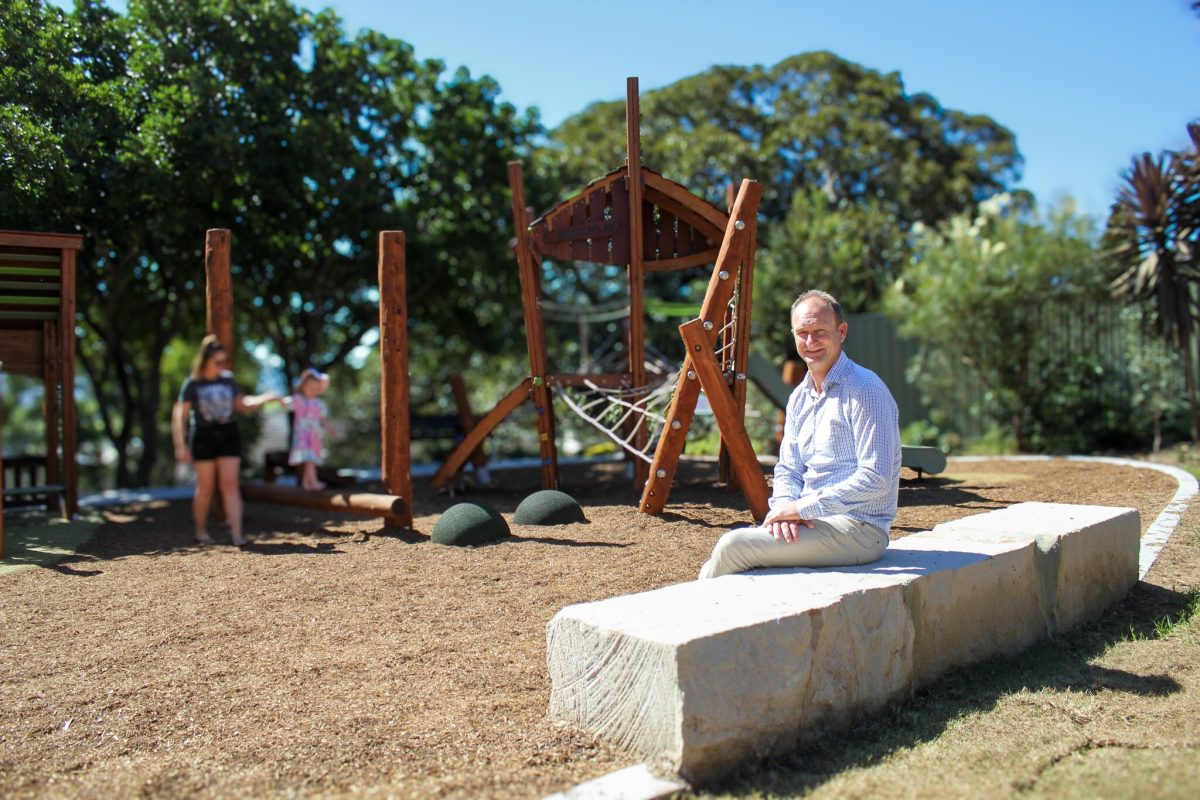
column 34, row 539
column 1108, row 710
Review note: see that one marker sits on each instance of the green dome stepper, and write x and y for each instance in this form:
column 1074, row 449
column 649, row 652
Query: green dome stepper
column 469, row 523
column 548, row 507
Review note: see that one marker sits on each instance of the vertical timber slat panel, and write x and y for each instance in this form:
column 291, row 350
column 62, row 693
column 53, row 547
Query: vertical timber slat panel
column 50, row 400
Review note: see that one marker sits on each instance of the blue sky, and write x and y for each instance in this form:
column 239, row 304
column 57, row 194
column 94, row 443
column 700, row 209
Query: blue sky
column 1084, row 84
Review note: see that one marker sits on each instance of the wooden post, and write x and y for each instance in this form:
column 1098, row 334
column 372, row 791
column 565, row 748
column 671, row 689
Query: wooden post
column 747, row 471
column 466, row 418
column 66, row 344
column 741, row 334
column 219, row 287
column 51, row 379
column 394, row 390
column 735, row 246
column 724, row 472
column 535, row 334
column 637, row 270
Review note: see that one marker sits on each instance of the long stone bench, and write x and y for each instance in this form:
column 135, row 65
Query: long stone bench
column 699, row 677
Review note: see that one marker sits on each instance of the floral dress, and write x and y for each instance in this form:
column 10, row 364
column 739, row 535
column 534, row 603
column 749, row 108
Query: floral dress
column 308, row 432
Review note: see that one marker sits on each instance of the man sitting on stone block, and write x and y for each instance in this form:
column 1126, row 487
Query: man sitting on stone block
column 834, row 494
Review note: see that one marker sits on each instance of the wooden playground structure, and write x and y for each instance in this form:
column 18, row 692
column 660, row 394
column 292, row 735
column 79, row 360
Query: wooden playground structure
column 395, row 504
column 37, row 339
column 635, row 218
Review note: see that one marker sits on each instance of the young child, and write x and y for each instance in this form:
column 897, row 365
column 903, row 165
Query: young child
column 308, row 431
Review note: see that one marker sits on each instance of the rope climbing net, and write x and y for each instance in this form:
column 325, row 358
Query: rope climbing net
column 621, row 412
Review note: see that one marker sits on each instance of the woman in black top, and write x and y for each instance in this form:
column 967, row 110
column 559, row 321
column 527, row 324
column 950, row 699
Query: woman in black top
column 206, row 407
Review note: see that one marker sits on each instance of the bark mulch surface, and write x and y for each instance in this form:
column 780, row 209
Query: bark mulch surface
column 331, row 657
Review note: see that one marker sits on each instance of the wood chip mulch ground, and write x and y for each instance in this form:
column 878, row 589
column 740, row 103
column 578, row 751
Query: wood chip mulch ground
column 332, row 658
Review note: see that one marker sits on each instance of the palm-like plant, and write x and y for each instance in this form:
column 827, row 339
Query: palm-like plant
column 1153, row 231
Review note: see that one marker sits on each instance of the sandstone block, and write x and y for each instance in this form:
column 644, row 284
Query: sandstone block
column 701, row 676
column 1087, row 555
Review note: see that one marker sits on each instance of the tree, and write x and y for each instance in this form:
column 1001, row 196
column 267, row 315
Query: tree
column 849, row 161
column 271, row 121
column 978, row 295
column 812, row 120
column 1154, row 235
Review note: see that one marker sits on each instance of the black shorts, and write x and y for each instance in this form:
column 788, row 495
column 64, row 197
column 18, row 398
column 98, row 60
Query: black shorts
column 216, row 441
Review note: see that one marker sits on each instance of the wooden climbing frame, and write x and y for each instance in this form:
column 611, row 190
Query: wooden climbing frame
column 703, row 370
column 635, row 218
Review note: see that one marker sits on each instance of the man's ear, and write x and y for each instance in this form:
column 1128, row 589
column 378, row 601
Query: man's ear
column 842, row 330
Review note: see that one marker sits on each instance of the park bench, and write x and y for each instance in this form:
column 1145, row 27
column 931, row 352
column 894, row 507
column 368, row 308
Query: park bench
column 24, row 482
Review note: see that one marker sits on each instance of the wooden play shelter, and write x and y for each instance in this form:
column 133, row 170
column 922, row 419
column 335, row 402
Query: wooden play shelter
column 37, row 339
column 635, row 218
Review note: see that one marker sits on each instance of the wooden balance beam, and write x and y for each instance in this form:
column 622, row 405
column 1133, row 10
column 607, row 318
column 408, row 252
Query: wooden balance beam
column 393, row 508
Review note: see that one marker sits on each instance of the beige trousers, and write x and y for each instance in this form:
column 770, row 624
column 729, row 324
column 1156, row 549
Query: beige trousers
column 836, row 541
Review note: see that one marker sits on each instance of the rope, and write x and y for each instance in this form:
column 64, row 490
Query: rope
column 647, row 399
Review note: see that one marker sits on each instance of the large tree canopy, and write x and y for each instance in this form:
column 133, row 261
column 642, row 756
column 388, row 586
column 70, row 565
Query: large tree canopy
column 146, row 129
column 849, row 161
column 812, row 120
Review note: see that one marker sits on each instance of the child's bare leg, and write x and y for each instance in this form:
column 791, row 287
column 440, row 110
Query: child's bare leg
column 311, row 481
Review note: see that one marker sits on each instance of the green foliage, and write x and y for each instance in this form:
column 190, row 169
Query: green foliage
column 925, row 433
column 991, row 298
column 144, row 130
column 849, row 249
column 1153, row 236
column 23, row 426
column 849, row 161
column 995, row 441
column 812, row 120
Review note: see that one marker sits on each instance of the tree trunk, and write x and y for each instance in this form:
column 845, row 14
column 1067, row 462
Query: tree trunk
column 148, row 409
column 1019, row 432
column 1189, row 376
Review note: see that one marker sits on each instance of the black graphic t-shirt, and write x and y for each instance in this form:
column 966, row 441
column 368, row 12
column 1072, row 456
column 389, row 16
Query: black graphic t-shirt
column 212, row 401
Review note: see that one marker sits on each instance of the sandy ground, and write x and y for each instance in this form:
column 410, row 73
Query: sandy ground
column 333, row 658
